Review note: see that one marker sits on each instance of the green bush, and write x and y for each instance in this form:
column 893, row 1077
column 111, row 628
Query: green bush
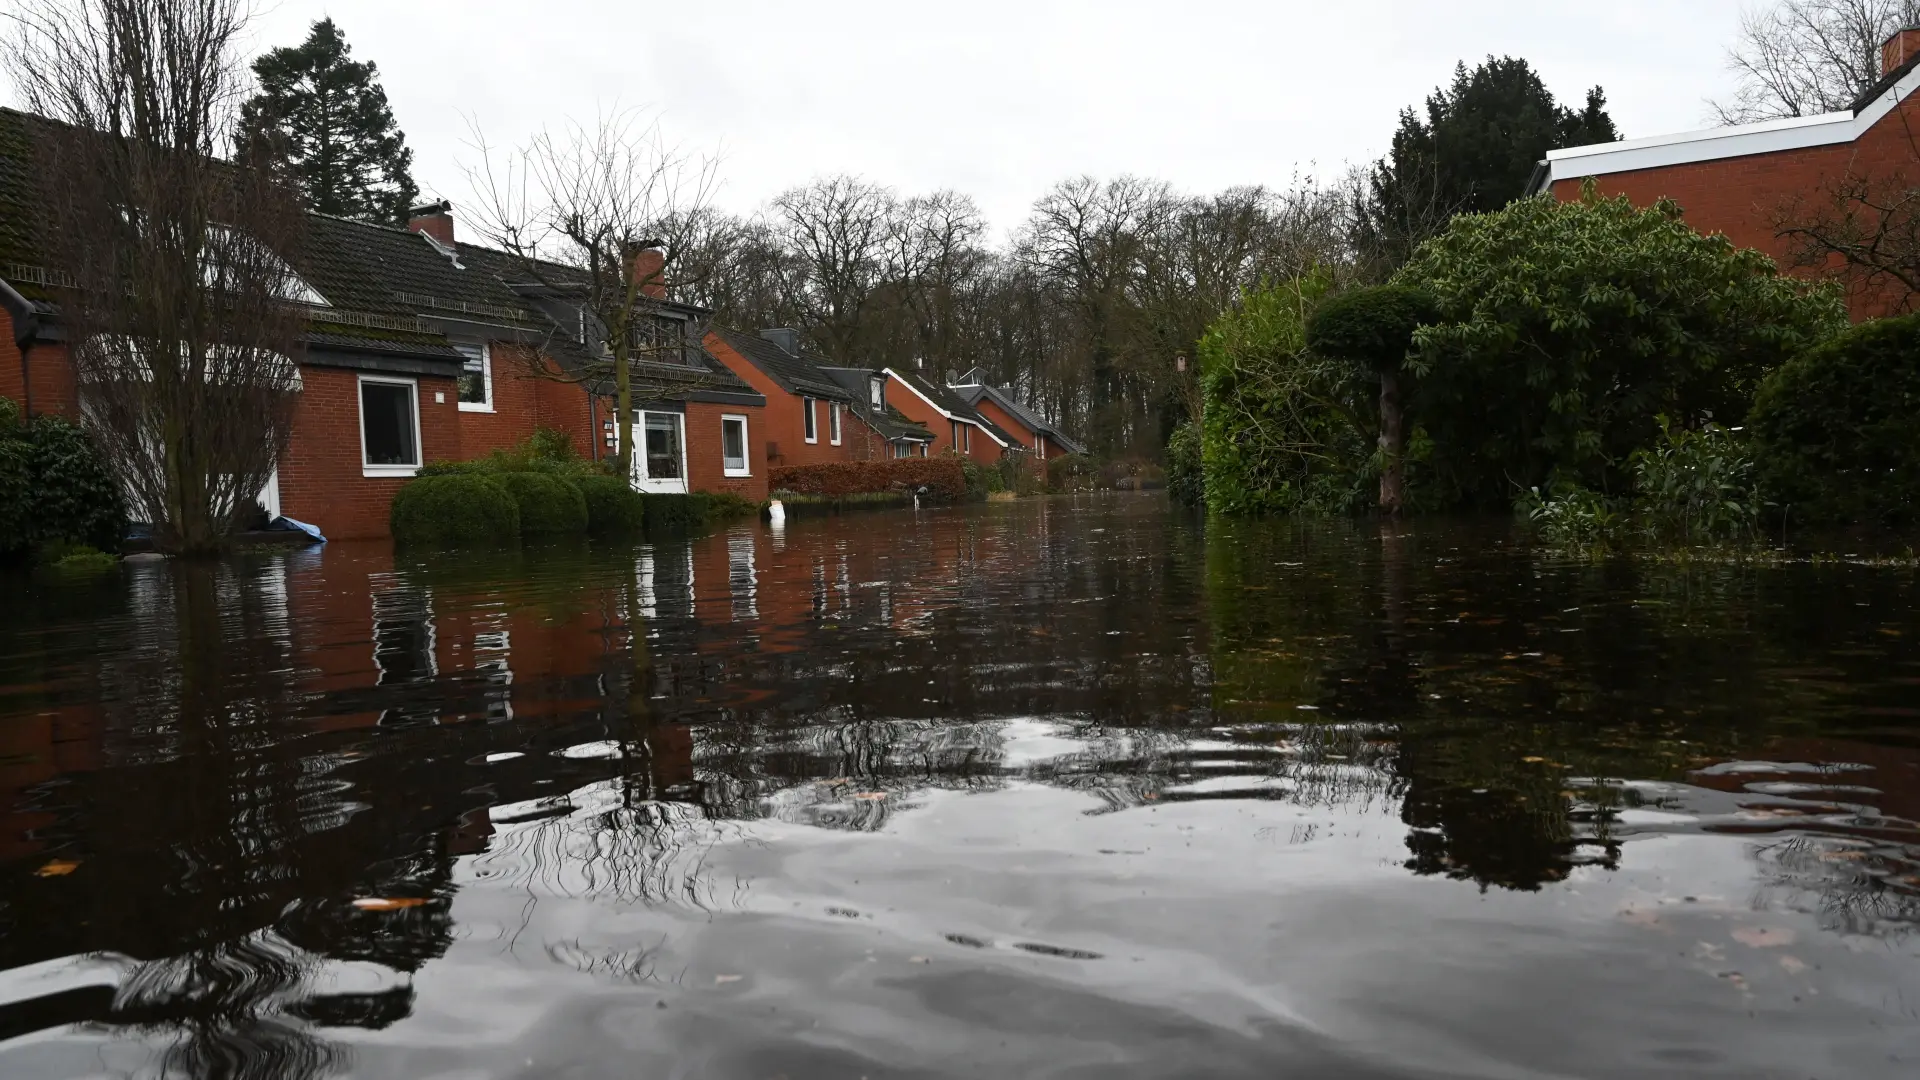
column 613, row 507
column 1572, row 517
column 1835, row 428
column 1696, row 486
column 726, row 506
column 1072, row 472
column 1186, row 480
column 549, row 504
column 1567, row 328
column 454, row 511
column 1286, row 429
column 55, row 488
column 79, row 561
column 669, row 514
column 1372, row 328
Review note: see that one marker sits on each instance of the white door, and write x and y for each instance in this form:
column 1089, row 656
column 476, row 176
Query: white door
column 660, row 466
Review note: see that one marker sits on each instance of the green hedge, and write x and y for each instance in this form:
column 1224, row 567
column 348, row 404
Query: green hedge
column 613, row 507
column 455, row 511
column 1836, row 429
column 55, row 488
column 676, row 513
column 549, row 505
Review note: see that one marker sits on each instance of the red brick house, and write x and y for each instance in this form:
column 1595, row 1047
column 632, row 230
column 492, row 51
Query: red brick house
column 957, row 428
column 420, row 348
column 1748, row 180
column 815, row 413
column 998, row 406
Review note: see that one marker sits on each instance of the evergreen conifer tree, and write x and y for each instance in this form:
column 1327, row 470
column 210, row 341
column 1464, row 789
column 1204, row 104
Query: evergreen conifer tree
column 1472, row 152
column 326, row 118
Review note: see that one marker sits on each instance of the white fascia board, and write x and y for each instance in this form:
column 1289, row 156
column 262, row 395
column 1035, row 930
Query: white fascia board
column 1715, row 144
column 931, row 404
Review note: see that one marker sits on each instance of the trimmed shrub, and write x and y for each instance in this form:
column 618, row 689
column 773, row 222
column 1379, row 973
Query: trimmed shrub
column 549, row 505
column 1371, row 327
column 55, row 487
column 1835, row 426
column 454, row 511
column 668, row 514
column 613, row 507
column 935, row 479
column 726, row 506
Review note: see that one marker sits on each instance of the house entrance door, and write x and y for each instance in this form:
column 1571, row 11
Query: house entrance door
column 660, row 467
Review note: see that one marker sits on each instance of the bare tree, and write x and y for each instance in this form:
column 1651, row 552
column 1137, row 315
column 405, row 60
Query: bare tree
column 181, row 308
column 1807, row 57
column 839, row 231
column 1864, row 231
column 579, row 210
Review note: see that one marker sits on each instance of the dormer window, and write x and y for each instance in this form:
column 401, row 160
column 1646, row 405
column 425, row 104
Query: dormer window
column 877, row 393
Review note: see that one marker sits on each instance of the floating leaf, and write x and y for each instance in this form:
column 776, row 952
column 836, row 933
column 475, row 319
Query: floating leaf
column 57, row 868
column 1764, row 937
column 1533, row 760
column 870, row 796
column 722, row 980
column 388, row 903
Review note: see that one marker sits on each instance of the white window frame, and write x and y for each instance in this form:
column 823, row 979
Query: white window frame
column 646, row 481
column 966, row 438
column 360, row 407
column 833, row 422
column 746, row 446
column 877, row 393
column 486, row 376
column 809, row 422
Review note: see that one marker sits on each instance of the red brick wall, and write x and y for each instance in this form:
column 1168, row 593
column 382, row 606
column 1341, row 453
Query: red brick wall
column 706, row 469
column 1006, row 420
column 47, row 366
column 522, row 401
column 320, row 477
column 914, row 407
column 1744, row 197
column 785, row 440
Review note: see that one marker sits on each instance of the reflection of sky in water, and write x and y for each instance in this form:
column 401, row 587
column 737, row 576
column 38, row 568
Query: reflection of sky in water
column 1068, row 785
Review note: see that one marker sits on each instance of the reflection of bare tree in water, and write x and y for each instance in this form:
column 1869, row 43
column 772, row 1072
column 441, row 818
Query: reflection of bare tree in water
column 1855, row 888
column 216, row 1009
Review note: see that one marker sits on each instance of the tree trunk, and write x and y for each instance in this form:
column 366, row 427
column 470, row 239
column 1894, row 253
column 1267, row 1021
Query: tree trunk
column 1393, row 476
column 623, row 404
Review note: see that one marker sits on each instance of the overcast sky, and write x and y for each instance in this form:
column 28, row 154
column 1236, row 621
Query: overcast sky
column 1001, row 98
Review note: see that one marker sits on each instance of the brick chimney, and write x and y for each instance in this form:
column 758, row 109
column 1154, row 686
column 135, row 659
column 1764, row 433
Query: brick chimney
column 1899, row 49
column 434, row 219
column 649, row 268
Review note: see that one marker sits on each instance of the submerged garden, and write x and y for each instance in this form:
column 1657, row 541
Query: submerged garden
column 1601, row 368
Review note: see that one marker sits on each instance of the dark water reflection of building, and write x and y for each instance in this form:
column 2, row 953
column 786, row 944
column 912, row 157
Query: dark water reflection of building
column 232, row 755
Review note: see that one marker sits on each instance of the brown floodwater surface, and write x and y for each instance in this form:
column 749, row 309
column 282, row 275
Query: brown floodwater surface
column 1077, row 787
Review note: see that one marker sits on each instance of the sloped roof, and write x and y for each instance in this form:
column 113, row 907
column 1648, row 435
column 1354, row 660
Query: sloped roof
column 389, row 290
column 888, row 421
column 957, row 406
column 799, row 375
column 973, row 393
column 1734, row 141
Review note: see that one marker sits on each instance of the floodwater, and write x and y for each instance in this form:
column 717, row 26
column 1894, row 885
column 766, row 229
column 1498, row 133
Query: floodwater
column 1047, row 789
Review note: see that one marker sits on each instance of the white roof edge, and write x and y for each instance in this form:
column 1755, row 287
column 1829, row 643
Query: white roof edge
column 1715, row 144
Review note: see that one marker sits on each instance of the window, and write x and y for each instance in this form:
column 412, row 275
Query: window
column 953, row 434
column 389, row 426
column 811, row 425
column 662, row 459
column 476, row 376
column 877, row 393
column 833, row 423
column 966, row 439
column 733, row 446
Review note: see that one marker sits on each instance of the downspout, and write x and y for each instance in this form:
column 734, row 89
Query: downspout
column 26, row 325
